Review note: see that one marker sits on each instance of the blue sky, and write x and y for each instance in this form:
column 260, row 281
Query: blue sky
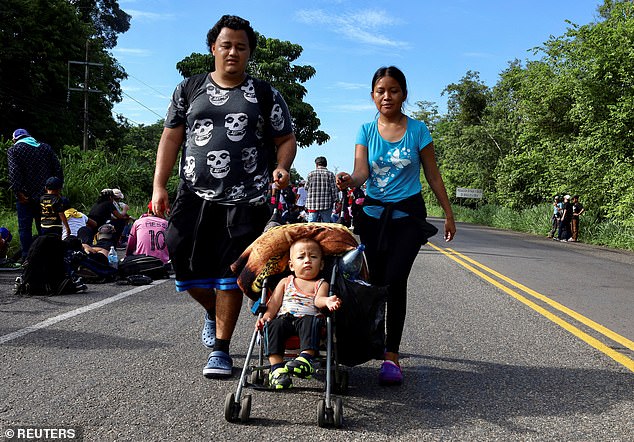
column 434, row 42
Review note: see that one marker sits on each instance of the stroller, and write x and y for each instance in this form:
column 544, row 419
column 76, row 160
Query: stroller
column 353, row 334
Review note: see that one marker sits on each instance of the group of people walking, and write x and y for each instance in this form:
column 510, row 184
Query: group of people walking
column 565, row 218
column 317, row 199
column 221, row 203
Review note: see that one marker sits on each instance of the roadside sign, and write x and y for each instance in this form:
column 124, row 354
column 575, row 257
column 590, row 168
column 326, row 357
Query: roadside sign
column 468, row 193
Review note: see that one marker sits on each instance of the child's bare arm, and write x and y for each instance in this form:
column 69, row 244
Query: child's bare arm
column 273, row 306
column 322, row 300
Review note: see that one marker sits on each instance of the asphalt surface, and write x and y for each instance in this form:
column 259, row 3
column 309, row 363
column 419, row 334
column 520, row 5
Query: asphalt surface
column 125, row 363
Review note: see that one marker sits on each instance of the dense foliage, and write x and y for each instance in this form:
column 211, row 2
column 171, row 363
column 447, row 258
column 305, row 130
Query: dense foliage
column 38, row 39
column 563, row 123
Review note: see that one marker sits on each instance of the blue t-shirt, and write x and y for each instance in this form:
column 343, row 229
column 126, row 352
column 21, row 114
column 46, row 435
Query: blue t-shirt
column 394, row 166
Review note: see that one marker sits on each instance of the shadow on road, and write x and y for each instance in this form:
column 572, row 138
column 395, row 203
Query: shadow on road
column 433, row 397
column 71, row 339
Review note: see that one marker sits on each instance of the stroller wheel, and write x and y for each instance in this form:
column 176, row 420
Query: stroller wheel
column 231, row 408
column 245, row 409
column 337, row 405
column 322, row 419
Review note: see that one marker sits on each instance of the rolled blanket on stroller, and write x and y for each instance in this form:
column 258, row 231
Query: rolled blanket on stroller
column 268, row 255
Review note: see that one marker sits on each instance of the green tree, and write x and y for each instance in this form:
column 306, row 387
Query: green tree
column 272, row 61
column 467, row 148
column 34, row 56
column 428, row 113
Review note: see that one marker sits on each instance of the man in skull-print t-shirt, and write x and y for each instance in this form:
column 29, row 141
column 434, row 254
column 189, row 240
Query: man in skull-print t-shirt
column 223, row 157
column 227, row 157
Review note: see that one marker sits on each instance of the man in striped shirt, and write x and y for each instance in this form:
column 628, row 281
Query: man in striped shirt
column 322, row 192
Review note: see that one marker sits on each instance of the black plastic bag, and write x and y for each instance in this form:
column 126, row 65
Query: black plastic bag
column 359, row 322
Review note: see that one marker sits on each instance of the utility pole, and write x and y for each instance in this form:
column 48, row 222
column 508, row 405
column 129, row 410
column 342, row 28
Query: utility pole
column 85, row 89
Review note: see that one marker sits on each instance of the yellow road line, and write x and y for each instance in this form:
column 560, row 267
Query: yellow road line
column 562, row 308
column 618, row 357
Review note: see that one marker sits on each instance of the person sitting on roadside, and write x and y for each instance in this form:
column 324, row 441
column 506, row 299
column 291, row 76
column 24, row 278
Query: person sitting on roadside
column 104, row 210
column 77, row 220
column 5, row 239
column 123, row 225
column 147, row 236
column 105, row 238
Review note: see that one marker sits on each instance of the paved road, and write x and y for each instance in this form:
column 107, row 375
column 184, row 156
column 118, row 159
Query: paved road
column 538, row 351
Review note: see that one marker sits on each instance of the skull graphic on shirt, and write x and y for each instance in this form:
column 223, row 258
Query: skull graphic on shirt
column 202, row 131
column 236, row 125
column 189, row 169
column 217, row 96
column 219, row 163
column 249, row 92
column 277, row 117
column 249, row 159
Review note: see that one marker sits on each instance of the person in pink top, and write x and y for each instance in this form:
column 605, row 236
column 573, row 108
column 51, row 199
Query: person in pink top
column 147, row 236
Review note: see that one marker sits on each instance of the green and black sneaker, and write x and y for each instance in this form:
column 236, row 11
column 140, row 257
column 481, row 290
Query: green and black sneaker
column 280, row 379
column 301, row 367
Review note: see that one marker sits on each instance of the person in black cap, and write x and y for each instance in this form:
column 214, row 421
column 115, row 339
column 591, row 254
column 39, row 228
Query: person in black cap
column 52, row 208
column 31, row 163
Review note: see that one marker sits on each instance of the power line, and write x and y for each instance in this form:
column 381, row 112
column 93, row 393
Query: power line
column 145, row 84
column 138, row 102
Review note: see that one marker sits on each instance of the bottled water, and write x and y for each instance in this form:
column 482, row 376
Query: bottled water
column 113, row 258
column 352, row 263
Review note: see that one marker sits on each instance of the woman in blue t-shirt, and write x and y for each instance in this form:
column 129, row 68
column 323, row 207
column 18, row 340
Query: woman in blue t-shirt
column 389, row 154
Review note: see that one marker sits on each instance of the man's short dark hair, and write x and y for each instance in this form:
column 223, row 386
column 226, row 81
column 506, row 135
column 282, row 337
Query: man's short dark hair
column 237, row 24
column 321, row 161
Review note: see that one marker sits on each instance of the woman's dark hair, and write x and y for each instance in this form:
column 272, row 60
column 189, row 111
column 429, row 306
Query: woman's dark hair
column 395, row 73
column 237, row 24
column 105, row 195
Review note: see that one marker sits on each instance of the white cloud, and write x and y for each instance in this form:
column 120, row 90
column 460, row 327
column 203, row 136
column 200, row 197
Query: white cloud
column 349, row 86
column 148, row 16
column 363, row 26
column 358, row 107
column 478, row 55
column 132, row 51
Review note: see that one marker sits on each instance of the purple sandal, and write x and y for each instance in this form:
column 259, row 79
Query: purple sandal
column 390, row 374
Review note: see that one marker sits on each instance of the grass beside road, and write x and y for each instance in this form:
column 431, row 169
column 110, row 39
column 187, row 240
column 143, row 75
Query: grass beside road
column 536, row 220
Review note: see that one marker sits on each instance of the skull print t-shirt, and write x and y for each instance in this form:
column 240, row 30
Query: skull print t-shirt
column 224, row 157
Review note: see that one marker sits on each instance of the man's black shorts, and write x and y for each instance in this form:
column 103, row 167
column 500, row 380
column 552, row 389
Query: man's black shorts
column 205, row 238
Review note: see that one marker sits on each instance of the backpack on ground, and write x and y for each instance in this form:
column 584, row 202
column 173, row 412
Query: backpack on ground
column 44, row 272
column 93, row 268
column 143, row 265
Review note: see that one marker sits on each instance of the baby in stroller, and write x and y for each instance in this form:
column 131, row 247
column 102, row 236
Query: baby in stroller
column 307, row 248
column 295, row 308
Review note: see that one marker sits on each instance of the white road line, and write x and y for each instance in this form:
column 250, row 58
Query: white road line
column 76, row 312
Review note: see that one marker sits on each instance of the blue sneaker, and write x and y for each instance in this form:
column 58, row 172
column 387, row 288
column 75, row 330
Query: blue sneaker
column 208, row 335
column 219, row 365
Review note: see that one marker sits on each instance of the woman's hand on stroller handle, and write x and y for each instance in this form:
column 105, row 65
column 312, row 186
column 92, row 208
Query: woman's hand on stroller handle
column 343, row 180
